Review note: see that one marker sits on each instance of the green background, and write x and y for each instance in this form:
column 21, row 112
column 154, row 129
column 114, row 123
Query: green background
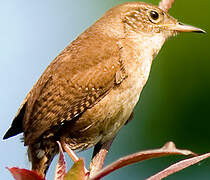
column 174, row 105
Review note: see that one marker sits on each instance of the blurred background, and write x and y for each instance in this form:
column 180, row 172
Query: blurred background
column 174, row 106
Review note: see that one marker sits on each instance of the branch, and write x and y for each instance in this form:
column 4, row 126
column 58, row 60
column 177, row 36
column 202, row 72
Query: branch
column 179, row 166
column 99, row 156
column 72, row 154
column 168, row 149
column 166, row 4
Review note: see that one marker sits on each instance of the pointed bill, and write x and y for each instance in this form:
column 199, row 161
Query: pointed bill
column 184, row 28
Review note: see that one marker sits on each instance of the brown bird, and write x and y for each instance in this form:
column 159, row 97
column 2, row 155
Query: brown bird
column 90, row 89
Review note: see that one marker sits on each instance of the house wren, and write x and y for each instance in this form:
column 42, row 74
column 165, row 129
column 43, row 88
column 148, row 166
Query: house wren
column 90, row 89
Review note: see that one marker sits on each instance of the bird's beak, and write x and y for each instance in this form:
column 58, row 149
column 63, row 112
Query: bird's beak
column 179, row 27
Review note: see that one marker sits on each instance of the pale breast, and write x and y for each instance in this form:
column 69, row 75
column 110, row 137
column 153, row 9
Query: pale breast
column 122, row 100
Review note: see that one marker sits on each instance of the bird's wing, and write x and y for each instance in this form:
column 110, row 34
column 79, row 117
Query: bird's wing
column 76, row 80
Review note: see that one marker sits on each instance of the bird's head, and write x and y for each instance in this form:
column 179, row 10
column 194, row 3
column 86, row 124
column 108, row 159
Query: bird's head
column 146, row 25
column 149, row 19
column 143, row 26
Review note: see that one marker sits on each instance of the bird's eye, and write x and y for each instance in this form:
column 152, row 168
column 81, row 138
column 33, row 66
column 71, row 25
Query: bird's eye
column 154, row 15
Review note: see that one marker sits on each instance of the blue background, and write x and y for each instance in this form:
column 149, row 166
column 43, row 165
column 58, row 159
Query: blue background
column 175, row 104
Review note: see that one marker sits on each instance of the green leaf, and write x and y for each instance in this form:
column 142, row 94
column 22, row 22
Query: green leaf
column 77, row 171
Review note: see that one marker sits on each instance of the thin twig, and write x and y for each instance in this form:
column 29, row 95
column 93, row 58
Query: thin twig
column 166, row 4
column 99, row 156
column 72, row 154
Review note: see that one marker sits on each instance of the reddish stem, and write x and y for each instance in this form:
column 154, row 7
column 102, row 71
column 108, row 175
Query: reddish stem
column 167, row 149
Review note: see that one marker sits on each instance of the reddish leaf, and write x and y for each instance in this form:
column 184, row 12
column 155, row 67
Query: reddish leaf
column 24, row 174
column 77, row 171
column 178, row 166
column 60, row 170
column 168, row 149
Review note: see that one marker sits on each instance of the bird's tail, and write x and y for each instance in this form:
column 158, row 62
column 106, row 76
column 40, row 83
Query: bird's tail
column 41, row 154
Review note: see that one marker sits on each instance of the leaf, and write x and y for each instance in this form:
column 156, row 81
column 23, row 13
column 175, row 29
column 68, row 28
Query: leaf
column 77, row 171
column 168, row 149
column 60, row 169
column 24, row 174
column 178, row 166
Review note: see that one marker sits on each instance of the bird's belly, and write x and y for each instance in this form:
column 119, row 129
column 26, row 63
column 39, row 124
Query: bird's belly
column 104, row 119
column 120, row 108
column 120, row 102
column 101, row 122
